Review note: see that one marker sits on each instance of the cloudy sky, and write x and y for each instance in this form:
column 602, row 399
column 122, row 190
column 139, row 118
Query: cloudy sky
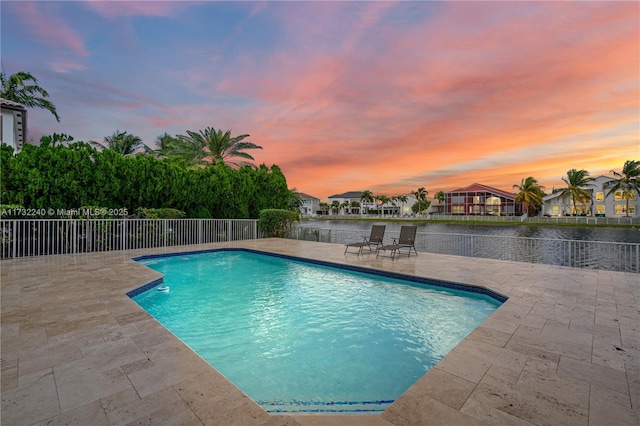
column 385, row 96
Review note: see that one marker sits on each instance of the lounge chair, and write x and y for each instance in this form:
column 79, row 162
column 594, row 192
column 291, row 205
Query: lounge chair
column 403, row 245
column 375, row 239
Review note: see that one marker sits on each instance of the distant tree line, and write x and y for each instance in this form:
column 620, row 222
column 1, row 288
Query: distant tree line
column 67, row 177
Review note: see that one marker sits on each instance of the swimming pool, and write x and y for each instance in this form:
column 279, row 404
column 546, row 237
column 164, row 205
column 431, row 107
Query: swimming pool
column 302, row 337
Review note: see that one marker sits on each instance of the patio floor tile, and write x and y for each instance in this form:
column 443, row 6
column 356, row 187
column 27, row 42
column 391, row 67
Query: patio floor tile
column 563, row 350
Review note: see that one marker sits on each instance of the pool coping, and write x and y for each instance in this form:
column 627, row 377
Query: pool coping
column 546, row 353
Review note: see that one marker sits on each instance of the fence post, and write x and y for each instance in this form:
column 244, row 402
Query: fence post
column 255, row 229
column 229, row 230
column 123, row 233
column 200, row 230
column 15, row 239
column 164, row 232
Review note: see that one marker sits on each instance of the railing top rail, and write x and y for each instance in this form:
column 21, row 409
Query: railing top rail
column 484, row 236
column 120, row 219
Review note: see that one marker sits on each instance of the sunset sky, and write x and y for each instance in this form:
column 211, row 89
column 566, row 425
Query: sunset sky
column 345, row 96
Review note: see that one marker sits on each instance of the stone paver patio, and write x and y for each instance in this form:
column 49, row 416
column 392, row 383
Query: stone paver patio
column 563, row 350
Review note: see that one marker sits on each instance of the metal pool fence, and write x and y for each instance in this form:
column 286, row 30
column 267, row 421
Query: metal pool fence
column 612, row 256
column 39, row 237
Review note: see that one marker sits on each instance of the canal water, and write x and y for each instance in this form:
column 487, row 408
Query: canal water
column 586, row 233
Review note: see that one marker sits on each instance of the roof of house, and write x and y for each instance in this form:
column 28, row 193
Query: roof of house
column 304, row 196
column 11, row 104
column 350, row 194
column 478, row 187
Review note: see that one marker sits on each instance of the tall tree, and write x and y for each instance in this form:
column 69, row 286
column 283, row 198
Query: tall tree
column 440, row 196
column 577, row 183
column 382, row 200
column 626, row 182
column 421, row 194
column 22, row 87
column 402, row 199
column 123, row 143
column 345, row 206
column 166, row 145
column 354, row 205
column 56, row 139
column 530, row 193
column 367, row 197
column 295, row 201
column 211, row 146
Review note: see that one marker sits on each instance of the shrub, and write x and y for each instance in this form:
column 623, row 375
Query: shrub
column 143, row 213
column 276, row 222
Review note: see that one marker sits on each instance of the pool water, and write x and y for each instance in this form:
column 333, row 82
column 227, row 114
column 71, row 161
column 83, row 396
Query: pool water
column 302, row 337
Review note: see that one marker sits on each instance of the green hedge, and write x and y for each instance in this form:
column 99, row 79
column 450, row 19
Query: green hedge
column 276, row 222
column 60, row 177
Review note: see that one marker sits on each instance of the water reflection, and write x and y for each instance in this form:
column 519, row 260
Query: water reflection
column 624, row 235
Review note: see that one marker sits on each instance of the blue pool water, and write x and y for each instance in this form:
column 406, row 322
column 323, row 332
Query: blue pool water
column 303, row 337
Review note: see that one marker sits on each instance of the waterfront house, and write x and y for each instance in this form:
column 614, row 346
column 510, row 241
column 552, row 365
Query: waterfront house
column 599, row 205
column 13, row 124
column 392, row 208
column 349, row 197
column 310, row 204
column 480, row 200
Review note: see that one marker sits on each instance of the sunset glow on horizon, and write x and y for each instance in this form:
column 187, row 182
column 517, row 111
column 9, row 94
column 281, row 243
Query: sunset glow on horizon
column 349, row 96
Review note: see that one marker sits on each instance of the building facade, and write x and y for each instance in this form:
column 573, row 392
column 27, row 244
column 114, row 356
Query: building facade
column 310, row 204
column 481, row 200
column 350, row 203
column 601, row 203
column 13, row 124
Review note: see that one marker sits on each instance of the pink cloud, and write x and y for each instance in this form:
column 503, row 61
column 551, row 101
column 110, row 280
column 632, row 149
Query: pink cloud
column 49, row 28
column 115, row 9
column 478, row 95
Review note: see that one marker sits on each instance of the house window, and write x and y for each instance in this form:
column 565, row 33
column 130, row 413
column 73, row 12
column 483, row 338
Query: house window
column 477, row 199
column 600, row 210
column 457, row 200
column 457, row 209
column 555, row 210
column 619, row 195
column 580, row 210
column 599, row 196
column 622, row 209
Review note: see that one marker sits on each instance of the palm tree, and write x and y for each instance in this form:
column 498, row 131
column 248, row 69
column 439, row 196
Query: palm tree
column 324, row 207
column 440, row 196
column 354, row 205
column 167, row 144
column 421, row 195
column 367, row 197
column 211, row 146
column 402, row 199
column 530, row 194
column 123, row 143
column 345, row 206
column 625, row 182
column 382, row 199
column 56, row 138
column 22, row 87
column 335, row 206
column 577, row 181
column 295, row 201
